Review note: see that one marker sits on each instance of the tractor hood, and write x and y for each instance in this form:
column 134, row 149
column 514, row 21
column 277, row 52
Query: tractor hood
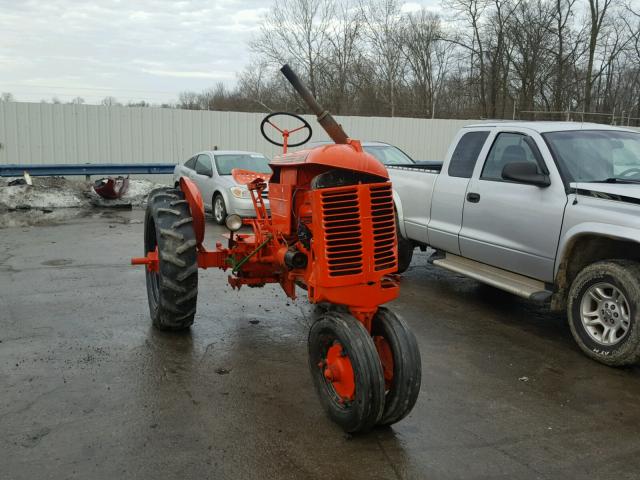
column 334, row 155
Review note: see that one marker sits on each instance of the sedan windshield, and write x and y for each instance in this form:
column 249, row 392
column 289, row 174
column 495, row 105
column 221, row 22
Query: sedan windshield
column 389, row 155
column 596, row 155
column 245, row 161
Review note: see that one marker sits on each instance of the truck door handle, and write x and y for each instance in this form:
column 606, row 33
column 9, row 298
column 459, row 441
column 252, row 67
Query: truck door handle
column 473, row 197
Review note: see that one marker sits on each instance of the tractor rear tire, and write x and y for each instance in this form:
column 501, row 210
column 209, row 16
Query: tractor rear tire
column 173, row 290
column 401, row 363
column 360, row 411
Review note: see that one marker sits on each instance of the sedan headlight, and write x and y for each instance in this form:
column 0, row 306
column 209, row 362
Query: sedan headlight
column 240, row 192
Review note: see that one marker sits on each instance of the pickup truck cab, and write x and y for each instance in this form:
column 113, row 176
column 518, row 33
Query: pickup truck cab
column 544, row 210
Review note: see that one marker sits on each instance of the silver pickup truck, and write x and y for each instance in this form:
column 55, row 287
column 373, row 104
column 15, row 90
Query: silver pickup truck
column 544, row 211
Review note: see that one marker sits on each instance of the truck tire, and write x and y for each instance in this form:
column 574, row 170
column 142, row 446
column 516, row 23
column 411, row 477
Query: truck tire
column 405, row 253
column 603, row 311
column 173, row 290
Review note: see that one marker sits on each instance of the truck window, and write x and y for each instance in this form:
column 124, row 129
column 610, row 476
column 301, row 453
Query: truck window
column 508, row 147
column 465, row 155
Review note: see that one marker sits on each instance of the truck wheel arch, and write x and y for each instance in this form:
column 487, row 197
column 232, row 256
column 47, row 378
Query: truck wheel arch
column 397, row 202
column 583, row 249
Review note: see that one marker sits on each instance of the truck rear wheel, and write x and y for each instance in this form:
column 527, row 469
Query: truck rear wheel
column 405, row 253
column 173, row 290
column 346, row 371
column 603, row 311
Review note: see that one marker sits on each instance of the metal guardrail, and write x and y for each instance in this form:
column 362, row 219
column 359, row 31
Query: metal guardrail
column 63, row 169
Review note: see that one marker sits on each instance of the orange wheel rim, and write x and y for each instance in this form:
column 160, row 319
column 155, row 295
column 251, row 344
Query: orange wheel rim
column 338, row 372
column 386, row 359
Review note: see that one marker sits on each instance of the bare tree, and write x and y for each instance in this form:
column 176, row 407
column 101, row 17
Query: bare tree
column 471, row 12
column 295, row 31
column 6, row 97
column 344, row 38
column 109, row 102
column 597, row 14
column 383, row 32
column 565, row 51
column 427, row 56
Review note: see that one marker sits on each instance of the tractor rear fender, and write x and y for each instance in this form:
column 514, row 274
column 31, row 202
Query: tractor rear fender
column 196, row 207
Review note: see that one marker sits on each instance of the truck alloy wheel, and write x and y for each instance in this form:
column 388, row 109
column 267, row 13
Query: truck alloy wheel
column 603, row 311
column 346, row 371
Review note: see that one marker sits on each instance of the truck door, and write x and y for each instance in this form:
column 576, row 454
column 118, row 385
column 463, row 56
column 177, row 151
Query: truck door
column 449, row 190
column 509, row 224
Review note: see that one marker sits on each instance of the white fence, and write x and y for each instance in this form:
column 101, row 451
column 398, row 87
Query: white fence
column 35, row 133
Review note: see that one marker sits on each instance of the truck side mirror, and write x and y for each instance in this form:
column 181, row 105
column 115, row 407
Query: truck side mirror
column 525, row 172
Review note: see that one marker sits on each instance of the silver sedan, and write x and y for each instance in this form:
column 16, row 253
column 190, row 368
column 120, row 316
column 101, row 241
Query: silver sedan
column 221, row 194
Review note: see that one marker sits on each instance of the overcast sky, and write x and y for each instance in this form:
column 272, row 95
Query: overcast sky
column 129, row 49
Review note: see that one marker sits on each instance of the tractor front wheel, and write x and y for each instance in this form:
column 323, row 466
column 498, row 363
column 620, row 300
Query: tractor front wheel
column 346, row 371
column 401, row 364
column 173, row 289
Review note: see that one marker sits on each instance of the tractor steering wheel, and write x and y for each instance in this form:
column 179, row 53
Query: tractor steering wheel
column 284, row 132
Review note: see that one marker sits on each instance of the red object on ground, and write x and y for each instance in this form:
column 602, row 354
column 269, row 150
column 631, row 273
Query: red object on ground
column 111, row 188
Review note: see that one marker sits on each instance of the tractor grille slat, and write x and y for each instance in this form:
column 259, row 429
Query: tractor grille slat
column 384, row 227
column 343, row 232
column 344, row 221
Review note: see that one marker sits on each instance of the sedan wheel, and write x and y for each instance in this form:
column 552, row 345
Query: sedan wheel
column 219, row 209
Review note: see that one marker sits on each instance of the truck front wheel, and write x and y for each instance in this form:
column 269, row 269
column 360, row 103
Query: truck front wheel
column 603, row 311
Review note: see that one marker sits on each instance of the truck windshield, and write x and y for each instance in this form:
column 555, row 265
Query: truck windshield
column 596, row 155
column 245, row 161
column 389, row 155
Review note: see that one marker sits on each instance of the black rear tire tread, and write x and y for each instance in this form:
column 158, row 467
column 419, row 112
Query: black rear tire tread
column 168, row 225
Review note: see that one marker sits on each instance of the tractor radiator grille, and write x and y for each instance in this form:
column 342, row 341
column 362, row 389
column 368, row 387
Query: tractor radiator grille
column 343, row 232
column 384, row 227
column 359, row 227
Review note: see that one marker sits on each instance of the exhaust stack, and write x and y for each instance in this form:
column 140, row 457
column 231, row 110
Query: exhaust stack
column 325, row 119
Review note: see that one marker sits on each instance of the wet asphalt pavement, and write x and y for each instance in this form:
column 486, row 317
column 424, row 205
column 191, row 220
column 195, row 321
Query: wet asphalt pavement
column 88, row 390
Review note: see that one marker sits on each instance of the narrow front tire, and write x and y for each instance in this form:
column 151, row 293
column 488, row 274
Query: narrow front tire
column 346, row 371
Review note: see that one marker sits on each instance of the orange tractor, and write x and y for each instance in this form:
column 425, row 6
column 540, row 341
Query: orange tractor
column 331, row 232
